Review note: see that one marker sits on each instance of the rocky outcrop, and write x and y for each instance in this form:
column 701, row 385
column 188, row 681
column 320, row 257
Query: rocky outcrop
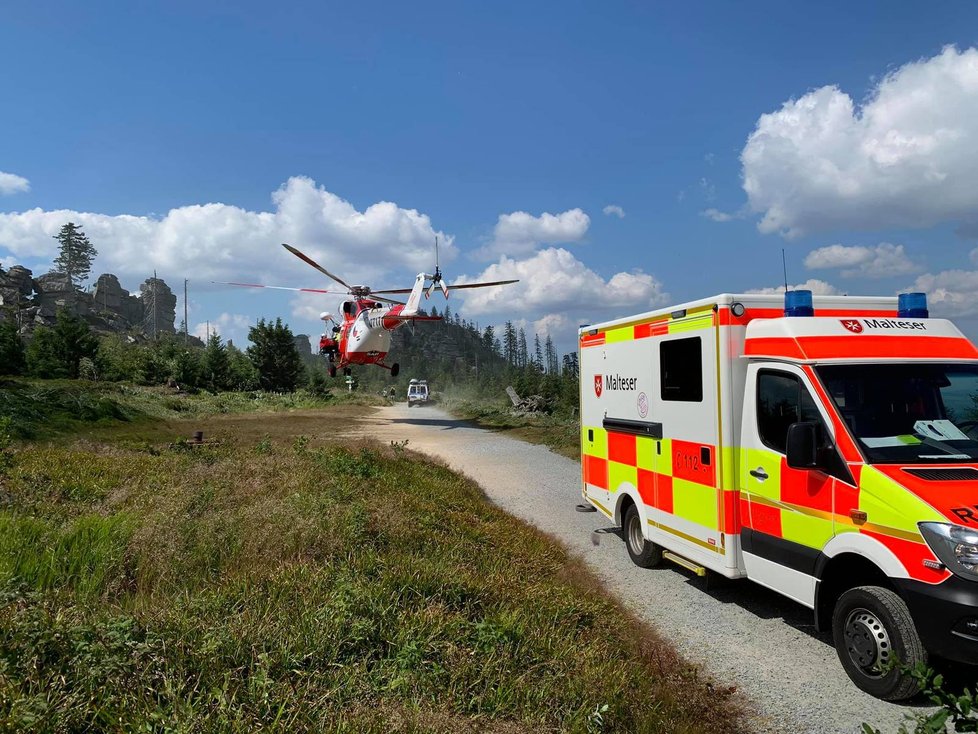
column 159, row 307
column 108, row 308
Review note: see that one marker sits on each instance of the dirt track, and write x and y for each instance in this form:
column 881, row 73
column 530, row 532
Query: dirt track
column 743, row 634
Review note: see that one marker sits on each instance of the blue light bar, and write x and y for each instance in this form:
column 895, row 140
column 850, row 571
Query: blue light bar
column 798, row 303
column 912, row 306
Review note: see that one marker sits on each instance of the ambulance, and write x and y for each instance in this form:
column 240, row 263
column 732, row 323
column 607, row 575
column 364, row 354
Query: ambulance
column 824, row 447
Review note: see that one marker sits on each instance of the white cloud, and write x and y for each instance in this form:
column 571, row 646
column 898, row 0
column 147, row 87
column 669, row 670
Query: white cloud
column 557, row 325
column 974, row 256
column 224, row 242
column 817, row 287
column 520, row 233
column 951, row 293
column 882, row 261
column 614, row 209
column 717, row 216
column 229, row 325
column 907, row 157
column 11, row 183
column 554, row 281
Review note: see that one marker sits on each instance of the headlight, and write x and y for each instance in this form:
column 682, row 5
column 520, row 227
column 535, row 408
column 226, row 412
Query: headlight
column 955, row 546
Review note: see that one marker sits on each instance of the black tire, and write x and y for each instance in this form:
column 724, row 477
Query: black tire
column 872, row 629
column 643, row 552
column 395, row 368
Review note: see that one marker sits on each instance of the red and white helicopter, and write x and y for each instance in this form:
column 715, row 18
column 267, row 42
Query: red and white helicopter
column 362, row 335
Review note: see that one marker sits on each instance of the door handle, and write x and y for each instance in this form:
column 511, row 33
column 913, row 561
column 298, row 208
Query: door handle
column 759, row 473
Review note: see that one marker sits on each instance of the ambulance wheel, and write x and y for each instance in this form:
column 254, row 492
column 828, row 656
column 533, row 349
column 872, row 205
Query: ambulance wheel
column 395, row 368
column 332, row 370
column 876, row 638
column 643, row 552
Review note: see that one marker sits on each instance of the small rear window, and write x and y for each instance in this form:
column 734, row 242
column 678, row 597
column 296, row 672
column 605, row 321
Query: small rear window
column 681, row 369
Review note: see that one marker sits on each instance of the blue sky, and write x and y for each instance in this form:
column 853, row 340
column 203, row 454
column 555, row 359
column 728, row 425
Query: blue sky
column 461, row 116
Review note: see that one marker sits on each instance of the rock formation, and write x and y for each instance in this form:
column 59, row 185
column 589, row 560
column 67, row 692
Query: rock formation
column 108, row 308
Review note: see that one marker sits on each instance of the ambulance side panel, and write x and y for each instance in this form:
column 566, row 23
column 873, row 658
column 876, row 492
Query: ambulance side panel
column 655, row 431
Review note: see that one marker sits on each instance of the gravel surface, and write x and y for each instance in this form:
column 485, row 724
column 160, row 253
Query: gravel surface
column 741, row 633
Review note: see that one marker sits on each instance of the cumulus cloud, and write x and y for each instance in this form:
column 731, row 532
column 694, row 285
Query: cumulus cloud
column 554, row 281
column 882, row 261
column 906, row 157
column 817, row 287
column 950, row 293
column 520, row 233
column 11, row 183
column 224, row 242
column 614, row 209
column 556, row 293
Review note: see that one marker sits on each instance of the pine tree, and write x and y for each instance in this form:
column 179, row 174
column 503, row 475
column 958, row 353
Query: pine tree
column 509, row 343
column 215, row 366
column 537, row 352
column 275, row 357
column 489, row 338
column 12, row 358
column 553, row 366
column 76, row 253
column 522, row 353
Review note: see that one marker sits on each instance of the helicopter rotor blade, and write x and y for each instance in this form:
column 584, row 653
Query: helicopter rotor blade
column 375, row 297
column 481, row 285
column 309, row 261
column 275, row 287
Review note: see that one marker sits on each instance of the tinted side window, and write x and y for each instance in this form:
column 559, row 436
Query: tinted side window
column 781, row 401
column 681, row 369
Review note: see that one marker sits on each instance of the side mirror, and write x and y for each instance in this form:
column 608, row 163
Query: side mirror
column 802, row 447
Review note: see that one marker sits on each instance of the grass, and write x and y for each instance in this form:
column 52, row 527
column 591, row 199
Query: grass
column 560, row 433
column 43, row 408
column 276, row 580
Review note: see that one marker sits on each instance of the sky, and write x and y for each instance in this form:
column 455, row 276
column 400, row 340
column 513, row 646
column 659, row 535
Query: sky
column 614, row 156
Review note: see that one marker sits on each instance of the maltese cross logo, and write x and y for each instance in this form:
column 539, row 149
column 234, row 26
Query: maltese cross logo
column 597, row 385
column 852, row 325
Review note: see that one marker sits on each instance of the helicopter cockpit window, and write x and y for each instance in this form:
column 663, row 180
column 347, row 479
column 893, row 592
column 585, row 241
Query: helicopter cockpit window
column 349, row 308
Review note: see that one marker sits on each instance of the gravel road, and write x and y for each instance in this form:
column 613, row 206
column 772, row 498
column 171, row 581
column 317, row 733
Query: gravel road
column 741, row 633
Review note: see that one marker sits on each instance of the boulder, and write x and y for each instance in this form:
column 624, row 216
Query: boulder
column 159, row 307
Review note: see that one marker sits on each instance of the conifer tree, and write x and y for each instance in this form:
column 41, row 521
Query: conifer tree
column 274, row 355
column 12, row 359
column 75, row 255
column 216, row 366
column 522, row 353
column 537, row 352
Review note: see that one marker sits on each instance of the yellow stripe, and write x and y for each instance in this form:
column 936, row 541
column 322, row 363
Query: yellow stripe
column 841, row 519
column 600, row 507
column 684, row 536
column 662, row 319
column 691, row 324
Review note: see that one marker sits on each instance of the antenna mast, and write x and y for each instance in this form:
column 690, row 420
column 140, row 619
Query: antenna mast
column 784, row 265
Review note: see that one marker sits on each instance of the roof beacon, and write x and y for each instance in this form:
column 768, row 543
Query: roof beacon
column 798, row 303
column 912, row 306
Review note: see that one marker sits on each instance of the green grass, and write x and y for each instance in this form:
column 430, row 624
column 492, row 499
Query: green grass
column 560, row 433
column 284, row 582
column 43, row 408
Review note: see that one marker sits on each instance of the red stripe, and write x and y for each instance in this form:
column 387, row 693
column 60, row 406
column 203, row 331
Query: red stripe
column 765, row 519
column 687, row 462
column 646, row 486
column 859, row 346
column 728, row 319
column 663, row 492
column 731, row 511
column 596, row 471
column 621, row 448
column 592, row 340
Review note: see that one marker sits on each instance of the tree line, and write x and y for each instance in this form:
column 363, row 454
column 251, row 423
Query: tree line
column 70, row 350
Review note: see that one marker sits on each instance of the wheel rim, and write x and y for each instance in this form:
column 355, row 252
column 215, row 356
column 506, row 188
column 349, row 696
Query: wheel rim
column 636, row 541
column 868, row 643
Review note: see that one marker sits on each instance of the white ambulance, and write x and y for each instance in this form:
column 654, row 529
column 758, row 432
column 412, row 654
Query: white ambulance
column 825, row 448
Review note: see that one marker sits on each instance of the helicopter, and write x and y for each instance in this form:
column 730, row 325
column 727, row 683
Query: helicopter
column 362, row 333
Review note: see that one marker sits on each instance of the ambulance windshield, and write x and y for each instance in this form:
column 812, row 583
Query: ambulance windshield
column 908, row 413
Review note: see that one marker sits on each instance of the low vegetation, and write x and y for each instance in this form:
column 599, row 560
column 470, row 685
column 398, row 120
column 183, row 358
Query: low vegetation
column 273, row 579
column 559, row 430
